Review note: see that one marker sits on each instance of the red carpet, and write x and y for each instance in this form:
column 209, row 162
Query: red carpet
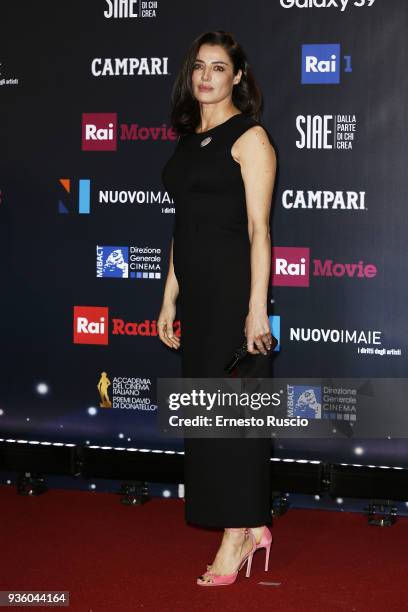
column 113, row 557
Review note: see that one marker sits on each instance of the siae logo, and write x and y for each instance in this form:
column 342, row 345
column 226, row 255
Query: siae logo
column 321, row 64
column 326, row 131
column 82, row 196
column 120, row 9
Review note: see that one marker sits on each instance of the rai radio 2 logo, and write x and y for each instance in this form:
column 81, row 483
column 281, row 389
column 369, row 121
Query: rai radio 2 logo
column 91, row 324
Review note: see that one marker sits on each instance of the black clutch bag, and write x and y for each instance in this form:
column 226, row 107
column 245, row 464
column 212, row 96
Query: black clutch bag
column 243, row 360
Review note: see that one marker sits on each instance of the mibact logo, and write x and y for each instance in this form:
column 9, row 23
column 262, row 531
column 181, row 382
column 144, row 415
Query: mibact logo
column 290, row 266
column 304, row 401
column 91, row 324
column 321, row 64
column 99, row 131
column 112, row 262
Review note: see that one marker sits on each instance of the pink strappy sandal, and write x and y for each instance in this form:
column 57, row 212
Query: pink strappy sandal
column 265, row 542
column 224, row 579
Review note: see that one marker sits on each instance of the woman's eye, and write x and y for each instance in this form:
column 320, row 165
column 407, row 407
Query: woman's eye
column 219, row 68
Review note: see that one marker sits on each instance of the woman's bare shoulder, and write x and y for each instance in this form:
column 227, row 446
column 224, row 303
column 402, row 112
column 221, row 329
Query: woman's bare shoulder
column 255, row 142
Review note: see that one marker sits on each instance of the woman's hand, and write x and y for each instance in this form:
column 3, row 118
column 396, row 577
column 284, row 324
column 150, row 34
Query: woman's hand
column 165, row 325
column 258, row 331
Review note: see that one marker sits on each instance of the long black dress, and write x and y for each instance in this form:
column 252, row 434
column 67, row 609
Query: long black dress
column 227, row 481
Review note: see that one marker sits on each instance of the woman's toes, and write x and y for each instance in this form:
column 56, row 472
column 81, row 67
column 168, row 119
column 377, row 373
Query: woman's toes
column 204, row 578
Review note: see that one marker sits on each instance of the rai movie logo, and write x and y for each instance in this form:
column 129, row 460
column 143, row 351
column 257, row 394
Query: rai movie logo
column 99, row 131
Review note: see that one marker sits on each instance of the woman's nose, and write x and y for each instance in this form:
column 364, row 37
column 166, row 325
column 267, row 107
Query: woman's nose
column 206, row 74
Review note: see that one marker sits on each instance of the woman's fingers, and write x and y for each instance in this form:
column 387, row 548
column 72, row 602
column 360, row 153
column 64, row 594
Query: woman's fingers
column 173, row 339
column 251, row 346
column 161, row 326
column 267, row 340
column 260, row 343
column 166, row 334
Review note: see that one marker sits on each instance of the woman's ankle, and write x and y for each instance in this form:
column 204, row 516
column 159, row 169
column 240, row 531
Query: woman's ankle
column 257, row 531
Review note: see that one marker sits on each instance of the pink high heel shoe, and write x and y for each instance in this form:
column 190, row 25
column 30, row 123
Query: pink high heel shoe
column 265, row 542
column 223, row 579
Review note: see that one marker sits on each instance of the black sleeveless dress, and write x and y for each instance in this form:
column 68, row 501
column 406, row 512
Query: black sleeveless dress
column 227, row 481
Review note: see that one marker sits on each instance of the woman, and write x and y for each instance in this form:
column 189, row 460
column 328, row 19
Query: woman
column 221, row 177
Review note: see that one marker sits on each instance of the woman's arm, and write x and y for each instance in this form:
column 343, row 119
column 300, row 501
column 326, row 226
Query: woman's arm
column 257, row 159
column 168, row 310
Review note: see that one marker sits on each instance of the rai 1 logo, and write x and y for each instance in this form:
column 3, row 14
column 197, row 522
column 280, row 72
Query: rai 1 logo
column 321, row 64
column 91, row 324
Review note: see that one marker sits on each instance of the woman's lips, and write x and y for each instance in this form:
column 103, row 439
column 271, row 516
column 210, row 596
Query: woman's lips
column 203, row 88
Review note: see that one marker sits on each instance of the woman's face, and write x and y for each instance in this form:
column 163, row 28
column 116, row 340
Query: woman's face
column 213, row 78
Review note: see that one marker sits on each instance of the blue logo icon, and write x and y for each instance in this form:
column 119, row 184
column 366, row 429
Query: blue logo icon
column 274, row 322
column 307, row 402
column 321, row 64
column 112, row 262
column 84, row 196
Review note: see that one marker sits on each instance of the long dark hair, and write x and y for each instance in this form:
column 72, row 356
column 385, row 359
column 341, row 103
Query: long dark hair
column 246, row 95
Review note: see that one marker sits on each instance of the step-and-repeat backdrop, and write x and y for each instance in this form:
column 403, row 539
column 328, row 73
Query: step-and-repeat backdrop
column 86, row 223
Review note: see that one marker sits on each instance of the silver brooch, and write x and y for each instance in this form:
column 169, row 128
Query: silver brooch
column 205, row 142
